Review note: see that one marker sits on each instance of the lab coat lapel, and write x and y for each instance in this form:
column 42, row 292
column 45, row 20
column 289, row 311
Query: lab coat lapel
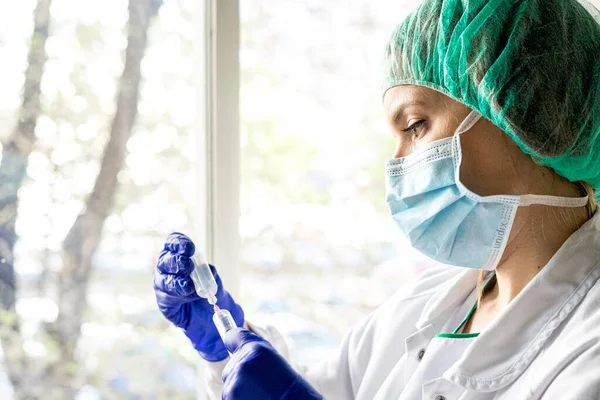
column 505, row 348
column 441, row 305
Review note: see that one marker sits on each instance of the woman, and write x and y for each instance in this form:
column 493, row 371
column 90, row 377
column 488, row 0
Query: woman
column 495, row 106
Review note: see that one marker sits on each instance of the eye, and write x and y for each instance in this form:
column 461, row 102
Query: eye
column 414, row 128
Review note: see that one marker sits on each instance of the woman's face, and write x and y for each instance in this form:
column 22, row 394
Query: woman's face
column 492, row 162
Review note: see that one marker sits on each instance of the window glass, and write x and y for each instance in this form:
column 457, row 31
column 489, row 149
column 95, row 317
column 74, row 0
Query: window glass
column 118, row 345
column 319, row 248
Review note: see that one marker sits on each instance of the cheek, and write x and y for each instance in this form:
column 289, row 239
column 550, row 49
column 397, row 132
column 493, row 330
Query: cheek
column 485, row 165
column 470, row 174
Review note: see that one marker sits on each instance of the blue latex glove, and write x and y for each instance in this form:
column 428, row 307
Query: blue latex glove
column 256, row 371
column 179, row 303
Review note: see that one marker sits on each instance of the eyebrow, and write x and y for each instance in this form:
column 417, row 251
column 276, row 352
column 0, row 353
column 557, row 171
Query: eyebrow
column 399, row 110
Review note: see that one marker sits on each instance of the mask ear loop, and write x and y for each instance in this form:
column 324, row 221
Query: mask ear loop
column 468, row 122
column 464, row 126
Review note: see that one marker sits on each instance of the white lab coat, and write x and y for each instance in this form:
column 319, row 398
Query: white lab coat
column 545, row 344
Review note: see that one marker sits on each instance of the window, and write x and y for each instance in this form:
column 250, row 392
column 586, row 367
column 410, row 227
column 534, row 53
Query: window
column 117, row 345
column 319, row 248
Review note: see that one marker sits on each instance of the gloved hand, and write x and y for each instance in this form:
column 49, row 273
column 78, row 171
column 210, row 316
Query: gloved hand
column 257, row 371
column 179, row 303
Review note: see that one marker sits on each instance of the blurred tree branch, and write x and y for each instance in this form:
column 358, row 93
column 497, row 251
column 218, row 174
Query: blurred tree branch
column 84, row 236
column 15, row 153
column 60, row 379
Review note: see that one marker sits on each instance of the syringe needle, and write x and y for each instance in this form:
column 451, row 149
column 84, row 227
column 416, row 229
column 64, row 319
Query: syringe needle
column 216, row 308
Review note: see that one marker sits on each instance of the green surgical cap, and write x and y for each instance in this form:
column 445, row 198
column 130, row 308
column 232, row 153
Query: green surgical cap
column 532, row 67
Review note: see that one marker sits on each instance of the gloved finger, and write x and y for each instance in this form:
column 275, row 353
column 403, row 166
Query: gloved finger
column 174, row 285
column 179, row 243
column 178, row 314
column 251, row 368
column 242, row 386
column 231, row 367
column 236, row 338
column 177, row 264
column 235, row 365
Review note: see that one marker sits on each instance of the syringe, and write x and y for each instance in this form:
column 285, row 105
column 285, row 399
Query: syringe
column 206, row 287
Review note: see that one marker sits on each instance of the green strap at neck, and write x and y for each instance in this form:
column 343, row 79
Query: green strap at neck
column 455, row 334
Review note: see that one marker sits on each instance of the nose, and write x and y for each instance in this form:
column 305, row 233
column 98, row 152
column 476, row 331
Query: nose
column 397, row 152
column 403, row 148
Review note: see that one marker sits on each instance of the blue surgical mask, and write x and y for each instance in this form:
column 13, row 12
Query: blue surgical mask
column 441, row 217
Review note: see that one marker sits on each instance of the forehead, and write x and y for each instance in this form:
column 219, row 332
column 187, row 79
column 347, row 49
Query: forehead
column 403, row 95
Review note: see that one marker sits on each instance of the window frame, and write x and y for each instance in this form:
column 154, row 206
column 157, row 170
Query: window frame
column 218, row 132
column 218, row 161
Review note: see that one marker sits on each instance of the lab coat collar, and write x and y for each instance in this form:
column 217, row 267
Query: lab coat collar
column 440, row 306
column 508, row 345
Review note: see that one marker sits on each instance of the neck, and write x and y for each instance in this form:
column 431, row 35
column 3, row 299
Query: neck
column 537, row 234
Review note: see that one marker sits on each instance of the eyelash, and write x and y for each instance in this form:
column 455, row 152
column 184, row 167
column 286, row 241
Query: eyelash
column 414, row 126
